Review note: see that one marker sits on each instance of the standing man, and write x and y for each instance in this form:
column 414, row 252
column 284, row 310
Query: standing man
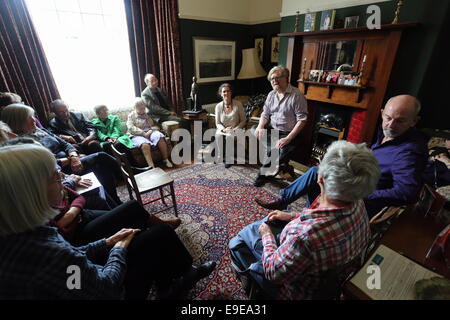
column 285, row 113
column 158, row 104
column 74, row 128
column 401, row 152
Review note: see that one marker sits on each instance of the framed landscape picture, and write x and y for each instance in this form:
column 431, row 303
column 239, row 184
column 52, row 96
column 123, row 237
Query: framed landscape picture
column 214, row 59
column 310, row 22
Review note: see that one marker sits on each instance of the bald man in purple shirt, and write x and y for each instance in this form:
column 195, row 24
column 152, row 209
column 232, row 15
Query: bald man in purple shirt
column 401, row 152
column 284, row 116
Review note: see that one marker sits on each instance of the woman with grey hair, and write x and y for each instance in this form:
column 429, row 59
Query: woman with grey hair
column 333, row 231
column 123, row 265
column 21, row 120
column 143, row 136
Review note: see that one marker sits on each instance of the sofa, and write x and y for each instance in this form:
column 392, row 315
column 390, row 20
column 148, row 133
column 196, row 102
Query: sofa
column 166, row 127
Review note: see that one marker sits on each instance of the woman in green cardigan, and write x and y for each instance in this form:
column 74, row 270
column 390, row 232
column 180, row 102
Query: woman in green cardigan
column 109, row 132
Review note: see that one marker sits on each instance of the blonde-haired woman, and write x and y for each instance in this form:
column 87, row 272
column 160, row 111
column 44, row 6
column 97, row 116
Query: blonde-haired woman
column 143, row 136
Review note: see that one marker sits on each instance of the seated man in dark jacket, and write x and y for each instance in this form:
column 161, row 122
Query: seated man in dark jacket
column 158, row 105
column 74, row 128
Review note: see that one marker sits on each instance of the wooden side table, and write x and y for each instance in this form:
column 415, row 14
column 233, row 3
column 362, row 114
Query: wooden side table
column 193, row 117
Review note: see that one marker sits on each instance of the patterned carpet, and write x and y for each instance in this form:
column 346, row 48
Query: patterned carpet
column 214, row 204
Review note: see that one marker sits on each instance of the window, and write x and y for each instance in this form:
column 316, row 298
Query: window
column 87, row 47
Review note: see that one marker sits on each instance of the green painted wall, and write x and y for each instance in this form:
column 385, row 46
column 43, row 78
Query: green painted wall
column 422, row 57
column 244, row 36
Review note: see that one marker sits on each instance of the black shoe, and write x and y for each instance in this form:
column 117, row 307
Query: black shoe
column 275, row 205
column 194, row 275
column 259, row 181
column 227, row 165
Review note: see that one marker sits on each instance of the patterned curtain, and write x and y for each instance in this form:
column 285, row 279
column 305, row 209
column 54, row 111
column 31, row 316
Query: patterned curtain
column 23, row 66
column 155, row 45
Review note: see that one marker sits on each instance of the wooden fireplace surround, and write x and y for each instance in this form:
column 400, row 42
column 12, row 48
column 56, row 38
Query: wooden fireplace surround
column 380, row 48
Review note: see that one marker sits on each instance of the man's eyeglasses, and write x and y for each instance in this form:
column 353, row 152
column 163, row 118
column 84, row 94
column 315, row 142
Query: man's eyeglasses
column 276, row 78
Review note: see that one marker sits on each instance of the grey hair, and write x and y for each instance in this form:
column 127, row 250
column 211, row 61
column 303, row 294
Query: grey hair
column 4, row 128
column 26, row 172
column 284, row 72
column 15, row 116
column 57, row 103
column 350, row 171
column 147, row 77
column 98, row 108
column 138, row 101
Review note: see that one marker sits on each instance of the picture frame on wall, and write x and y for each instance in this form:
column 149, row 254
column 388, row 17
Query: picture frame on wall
column 327, row 19
column 275, row 49
column 214, row 59
column 351, row 22
column 259, row 45
column 310, row 22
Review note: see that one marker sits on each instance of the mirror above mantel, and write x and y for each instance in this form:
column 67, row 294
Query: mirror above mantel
column 369, row 54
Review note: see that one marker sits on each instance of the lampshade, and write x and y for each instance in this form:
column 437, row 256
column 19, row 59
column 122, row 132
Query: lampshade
column 251, row 67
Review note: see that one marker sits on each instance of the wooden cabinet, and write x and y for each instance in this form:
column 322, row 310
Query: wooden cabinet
column 377, row 48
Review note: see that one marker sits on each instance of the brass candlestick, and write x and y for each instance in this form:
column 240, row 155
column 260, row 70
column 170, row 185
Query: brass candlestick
column 303, row 69
column 297, row 21
column 397, row 12
column 360, row 76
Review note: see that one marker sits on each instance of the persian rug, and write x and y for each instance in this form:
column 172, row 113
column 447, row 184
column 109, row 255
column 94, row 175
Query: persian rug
column 214, row 204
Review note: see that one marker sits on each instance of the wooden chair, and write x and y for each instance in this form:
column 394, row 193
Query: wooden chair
column 146, row 181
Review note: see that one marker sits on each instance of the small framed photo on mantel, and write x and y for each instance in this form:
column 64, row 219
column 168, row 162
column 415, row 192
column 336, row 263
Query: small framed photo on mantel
column 351, row 22
column 327, row 19
column 310, row 22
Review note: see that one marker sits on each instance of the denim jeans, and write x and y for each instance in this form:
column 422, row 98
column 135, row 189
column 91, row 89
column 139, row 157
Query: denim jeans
column 305, row 184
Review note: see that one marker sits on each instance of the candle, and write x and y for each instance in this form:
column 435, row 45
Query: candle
column 364, row 59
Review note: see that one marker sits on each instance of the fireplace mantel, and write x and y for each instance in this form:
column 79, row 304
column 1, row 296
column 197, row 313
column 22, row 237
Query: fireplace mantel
column 375, row 54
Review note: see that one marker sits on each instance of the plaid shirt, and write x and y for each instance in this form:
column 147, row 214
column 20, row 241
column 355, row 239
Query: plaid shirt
column 316, row 240
column 34, row 265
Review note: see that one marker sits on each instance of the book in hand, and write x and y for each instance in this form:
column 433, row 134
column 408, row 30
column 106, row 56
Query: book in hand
column 95, row 183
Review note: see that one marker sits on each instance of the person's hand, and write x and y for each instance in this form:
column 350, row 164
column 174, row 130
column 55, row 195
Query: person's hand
column 280, row 215
column 74, row 178
column 88, row 139
column 84, row 183
column 264, row 229
column 68, row 139
column 228, row 130
column 259, row 132
column 148, row 134
column 282, row 142
column 75, row 164
column 122, row 238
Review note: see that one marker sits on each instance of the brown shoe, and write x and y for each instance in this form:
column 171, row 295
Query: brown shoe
column 153, row 219
column 275, row 205
column 174, row 223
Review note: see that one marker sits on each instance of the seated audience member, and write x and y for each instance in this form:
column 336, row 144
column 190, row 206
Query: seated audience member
column 80, row 225
column 158, row 104
column 230, row 120
column 401, row 152
column 285, row 113
column 124, row 264
column 74, row 128
column 7, row 98
column 109, row 131
column 21, row 120
column 331, row 233
column 139, row 128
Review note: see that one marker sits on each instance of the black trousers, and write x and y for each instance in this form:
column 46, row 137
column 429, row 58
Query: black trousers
column 283, row 155
column 155, row 254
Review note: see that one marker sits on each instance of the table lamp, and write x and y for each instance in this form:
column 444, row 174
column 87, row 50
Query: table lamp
column 251, row 67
